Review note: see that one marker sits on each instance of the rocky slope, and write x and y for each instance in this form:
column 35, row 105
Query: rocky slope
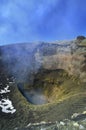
column 42, row 82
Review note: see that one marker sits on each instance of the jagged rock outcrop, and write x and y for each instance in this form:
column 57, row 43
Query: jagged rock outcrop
column 67, row 55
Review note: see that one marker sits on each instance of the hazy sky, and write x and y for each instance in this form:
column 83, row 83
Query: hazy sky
column 41, row 20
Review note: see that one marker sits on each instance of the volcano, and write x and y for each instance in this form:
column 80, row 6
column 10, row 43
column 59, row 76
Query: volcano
column 42, row 82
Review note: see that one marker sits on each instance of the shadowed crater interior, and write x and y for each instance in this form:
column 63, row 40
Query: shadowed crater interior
column 32, row 95
column 46, row 87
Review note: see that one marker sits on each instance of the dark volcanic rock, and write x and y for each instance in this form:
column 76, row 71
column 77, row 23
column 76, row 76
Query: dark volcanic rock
column 81, row 37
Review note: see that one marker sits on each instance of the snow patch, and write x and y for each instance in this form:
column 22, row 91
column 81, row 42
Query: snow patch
column 76, row 124
column 7, row 106
column 6, row 90
column 81, row 127
column 62, row 123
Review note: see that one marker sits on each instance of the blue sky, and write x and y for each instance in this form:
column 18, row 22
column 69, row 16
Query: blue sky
column 41, row 20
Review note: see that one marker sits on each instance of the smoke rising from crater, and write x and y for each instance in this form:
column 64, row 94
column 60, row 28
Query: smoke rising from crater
column 19, row 60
